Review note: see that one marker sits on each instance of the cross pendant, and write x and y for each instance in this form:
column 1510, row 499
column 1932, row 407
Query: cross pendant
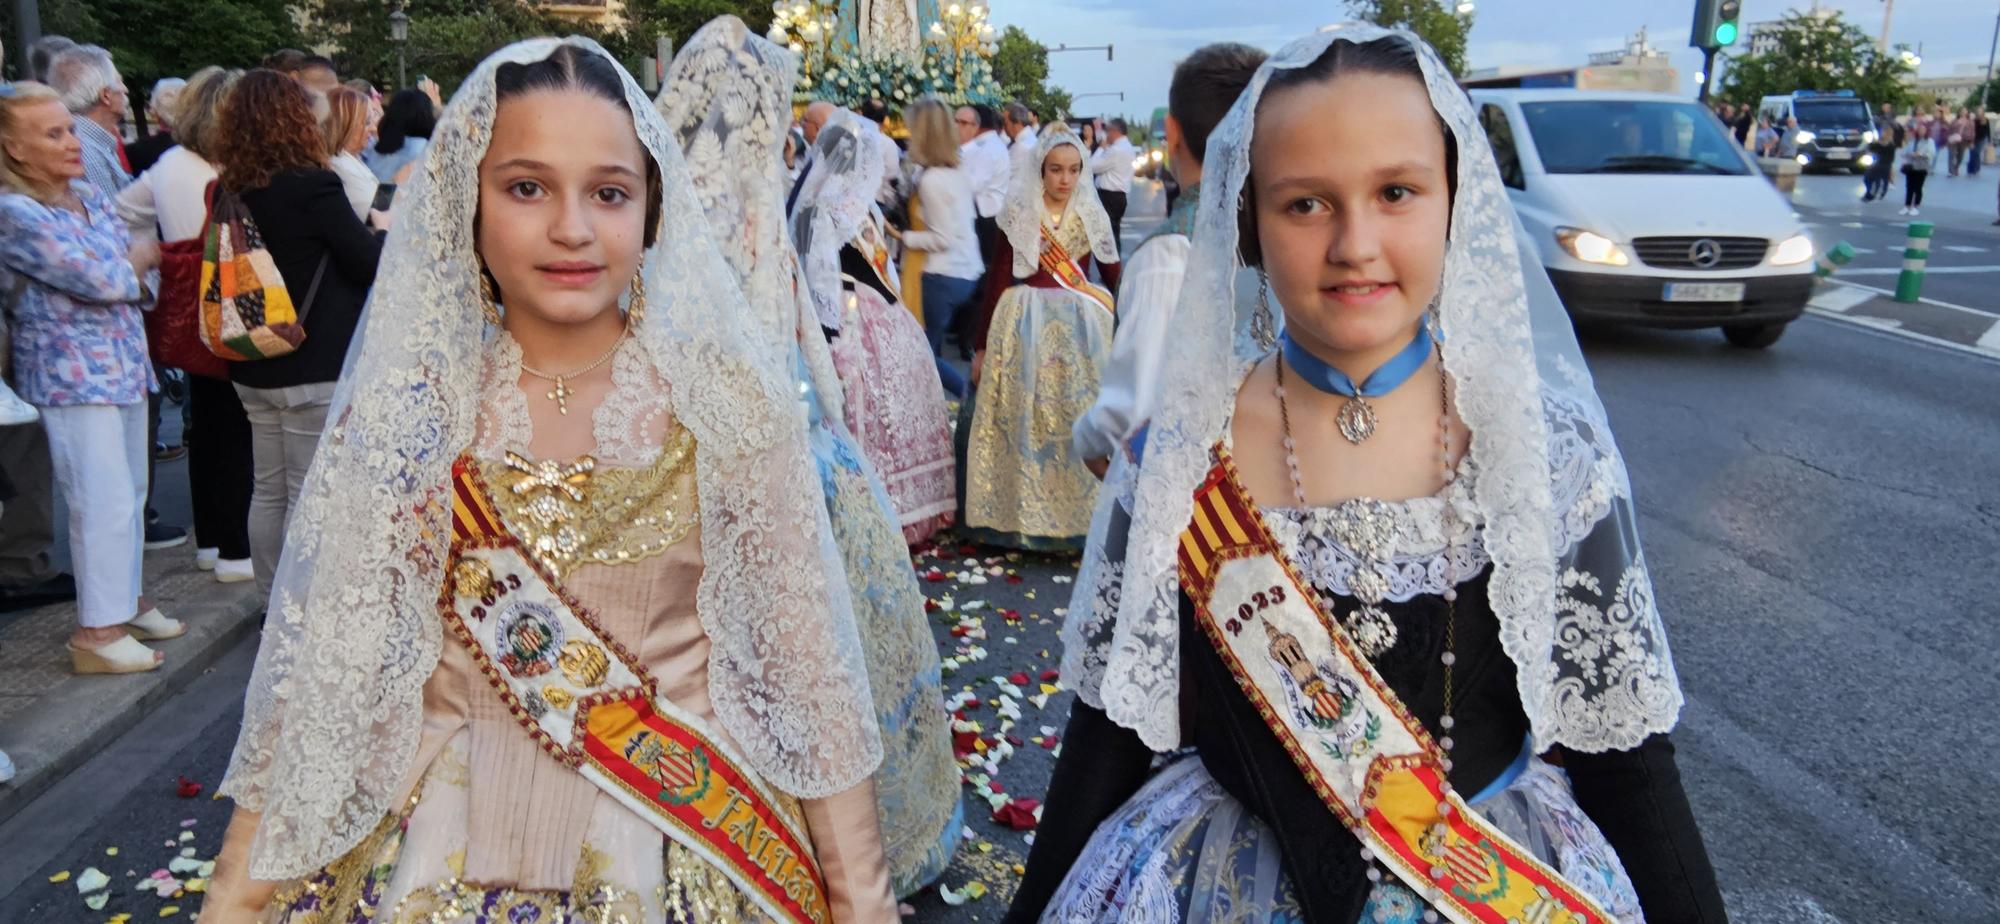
column 560, row 395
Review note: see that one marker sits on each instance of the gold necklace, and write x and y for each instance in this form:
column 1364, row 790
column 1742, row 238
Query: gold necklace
column 560, row 394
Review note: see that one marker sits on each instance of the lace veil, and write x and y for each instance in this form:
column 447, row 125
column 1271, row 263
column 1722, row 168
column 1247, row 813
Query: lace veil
column 334, row 711
column 1548, row 488
column 838, row 198
column 1021, row 214
column 728, row 103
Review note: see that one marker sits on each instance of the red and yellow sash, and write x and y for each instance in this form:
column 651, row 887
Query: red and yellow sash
column 873, row 248
column 1367, row 757
column 592, row 706
column 1067, row 273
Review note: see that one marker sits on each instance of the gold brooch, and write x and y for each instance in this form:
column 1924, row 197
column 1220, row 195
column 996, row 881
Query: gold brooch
column 471, row 578
column 583, row 663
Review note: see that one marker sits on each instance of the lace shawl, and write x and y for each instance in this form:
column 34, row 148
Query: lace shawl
column 334, row 711
column 727, row 103
column 1021, row 215
column 838, row 199
column 1548, row 488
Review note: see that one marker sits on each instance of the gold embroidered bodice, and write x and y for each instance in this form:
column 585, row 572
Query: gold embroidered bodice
column 572, row 513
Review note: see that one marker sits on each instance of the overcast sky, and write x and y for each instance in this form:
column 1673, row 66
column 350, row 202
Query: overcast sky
column 1151, row 35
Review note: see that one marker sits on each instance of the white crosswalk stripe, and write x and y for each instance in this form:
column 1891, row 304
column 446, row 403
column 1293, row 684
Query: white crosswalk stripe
column 1964, row 248
column 1839, row 298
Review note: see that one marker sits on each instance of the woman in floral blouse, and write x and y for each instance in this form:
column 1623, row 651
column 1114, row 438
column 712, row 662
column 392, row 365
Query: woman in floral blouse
column 73, row 282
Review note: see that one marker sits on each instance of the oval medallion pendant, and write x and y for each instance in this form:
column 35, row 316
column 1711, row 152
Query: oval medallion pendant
column 1357, row 420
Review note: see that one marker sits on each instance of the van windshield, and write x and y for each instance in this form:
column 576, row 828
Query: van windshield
column 1831, row 113
column 1631, row 136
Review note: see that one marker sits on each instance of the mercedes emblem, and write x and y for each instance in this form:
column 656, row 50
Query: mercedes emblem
column 1705, row 253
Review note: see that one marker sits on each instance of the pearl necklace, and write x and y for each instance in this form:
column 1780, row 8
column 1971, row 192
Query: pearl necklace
column 1370, row 611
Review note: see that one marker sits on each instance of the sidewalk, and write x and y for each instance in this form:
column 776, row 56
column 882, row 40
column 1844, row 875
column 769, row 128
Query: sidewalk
column 51, row 721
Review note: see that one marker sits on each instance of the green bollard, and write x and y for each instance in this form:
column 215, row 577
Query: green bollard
column 1837, row 256
column 1916, row 252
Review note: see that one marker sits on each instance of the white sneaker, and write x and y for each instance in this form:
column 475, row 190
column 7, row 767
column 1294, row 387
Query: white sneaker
column 205, row 559
column 6, row 767
column 1914, row 213
column 234, row 571
column 1905, row 210
column 13, row 410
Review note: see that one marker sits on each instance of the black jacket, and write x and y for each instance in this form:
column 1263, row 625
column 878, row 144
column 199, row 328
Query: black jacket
column 304, row 215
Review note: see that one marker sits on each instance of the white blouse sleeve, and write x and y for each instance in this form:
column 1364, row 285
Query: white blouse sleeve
column 1146, row 296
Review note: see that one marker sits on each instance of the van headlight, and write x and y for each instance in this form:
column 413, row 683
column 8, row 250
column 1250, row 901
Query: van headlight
column 1869, row 136
column 1591, row 247
column 1793, row 251
column 1804, row 137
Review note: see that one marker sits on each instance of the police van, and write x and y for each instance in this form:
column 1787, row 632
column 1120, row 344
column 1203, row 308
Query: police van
column 1834, row 128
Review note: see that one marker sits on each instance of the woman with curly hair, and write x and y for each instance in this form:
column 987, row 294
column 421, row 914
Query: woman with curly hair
column 277, row 164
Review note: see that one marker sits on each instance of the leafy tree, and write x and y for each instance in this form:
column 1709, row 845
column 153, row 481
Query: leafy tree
column 647, row 20
column 1021, row 65
column 448, row 38
column 1987, row 95
column 1818, row 52
column 1432, row 20
column 151, row 39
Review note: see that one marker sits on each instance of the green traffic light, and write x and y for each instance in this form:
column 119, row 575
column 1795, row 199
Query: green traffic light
column 1725, row 34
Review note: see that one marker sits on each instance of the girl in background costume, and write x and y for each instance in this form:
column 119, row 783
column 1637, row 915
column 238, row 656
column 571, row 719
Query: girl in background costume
column 1043, row 344
column 1384, row 582
column 894, row 407
column 560, row 632
column 726, row 103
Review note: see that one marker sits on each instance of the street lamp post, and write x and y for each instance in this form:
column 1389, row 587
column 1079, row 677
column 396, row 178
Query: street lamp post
column 399, row 32
column 809, row 28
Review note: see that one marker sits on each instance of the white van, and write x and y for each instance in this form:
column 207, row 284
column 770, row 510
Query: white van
column 1646, row 211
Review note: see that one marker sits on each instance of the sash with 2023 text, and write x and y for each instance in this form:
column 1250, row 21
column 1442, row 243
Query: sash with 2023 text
column 1369, row 760
column 591, row 705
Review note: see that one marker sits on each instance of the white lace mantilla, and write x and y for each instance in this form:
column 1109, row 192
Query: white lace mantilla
column 1422, row 559
column 627, row 425
column 334, row 711
column 1548, row 491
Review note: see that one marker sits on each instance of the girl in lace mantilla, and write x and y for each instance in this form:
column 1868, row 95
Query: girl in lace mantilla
column 1458, row 573
column 1042, row 344
column 539, row 505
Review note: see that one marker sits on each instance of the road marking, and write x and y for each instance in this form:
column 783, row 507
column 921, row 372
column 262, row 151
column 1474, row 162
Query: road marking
column 1852, row 224
column 1839, row 298
column 1864, row 325
column 1928, row 301
column 1935, row 271
column 1861, row 250
column 1962, row 248
column 1991, row 339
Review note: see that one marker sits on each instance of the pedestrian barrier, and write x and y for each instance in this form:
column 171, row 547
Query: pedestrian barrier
column 1837, row 256
column 1916, row 252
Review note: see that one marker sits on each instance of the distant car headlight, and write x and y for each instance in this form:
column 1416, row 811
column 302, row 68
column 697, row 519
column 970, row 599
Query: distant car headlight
column 1868, row 137
column 1867, row 160
column 1804, row 137
column 1793, row 251
column 1804, row 159
column 1591, row 247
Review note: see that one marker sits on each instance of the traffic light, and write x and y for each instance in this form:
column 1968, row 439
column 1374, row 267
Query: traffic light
column 1715, row 25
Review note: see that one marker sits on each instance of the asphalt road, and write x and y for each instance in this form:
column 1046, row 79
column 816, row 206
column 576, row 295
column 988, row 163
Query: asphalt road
column 1965, row 244
column 1820, row 519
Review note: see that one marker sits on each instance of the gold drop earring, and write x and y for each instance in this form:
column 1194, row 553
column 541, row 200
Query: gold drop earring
column 635, row 307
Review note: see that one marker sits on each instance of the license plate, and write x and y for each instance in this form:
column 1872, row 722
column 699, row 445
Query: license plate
column 1840, row 155
column 1704, row 292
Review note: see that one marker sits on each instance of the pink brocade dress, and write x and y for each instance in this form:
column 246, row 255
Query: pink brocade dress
column 896, row 410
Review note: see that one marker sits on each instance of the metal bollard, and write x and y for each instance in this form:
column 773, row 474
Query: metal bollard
column 1837, row 256
column 1916, row 252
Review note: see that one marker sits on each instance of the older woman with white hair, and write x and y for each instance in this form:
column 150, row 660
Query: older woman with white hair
column 79, row 353
column 161, row 107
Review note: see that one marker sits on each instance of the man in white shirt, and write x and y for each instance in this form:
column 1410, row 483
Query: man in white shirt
column 1015, row 121
column 877, row 111
column 1111, row 166
column 1204, row 86
column 983, row 156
